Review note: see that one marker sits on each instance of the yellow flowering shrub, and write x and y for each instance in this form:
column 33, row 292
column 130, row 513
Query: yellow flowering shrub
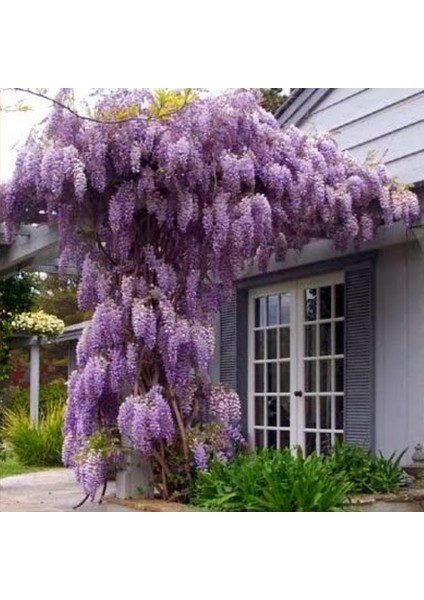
column 37, row 323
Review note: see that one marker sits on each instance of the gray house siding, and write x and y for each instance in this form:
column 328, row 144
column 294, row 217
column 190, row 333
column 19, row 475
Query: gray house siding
column 388, row 122
column 399, row 348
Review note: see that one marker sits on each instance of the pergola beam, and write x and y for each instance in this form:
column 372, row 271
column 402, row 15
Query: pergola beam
column 31, row 243
column 51, row 269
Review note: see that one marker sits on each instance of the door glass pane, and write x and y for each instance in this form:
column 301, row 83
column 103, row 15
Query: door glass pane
column 285, row 309
column 284, row 439
column 259, row 345
column 339, row 338
column 272, row 412
column 339, row 412
column 284, row 412
column 325, row 339
column 271, row 335
column 325, row 375
column 260, row 312
column 310, row 412
column 259, row 379
column 259, row 410
column 285, row 377
column 285, row 342
column 272, row 310
column 272, row 439
column 310, row 443
column 340, row 300
column 325, row 302
column 310, row 376
column 259, row 438
column 310, row 340
column 272, row 377
column 310, row 305
column 339, row 375
column 325, row 443
column 325, row 412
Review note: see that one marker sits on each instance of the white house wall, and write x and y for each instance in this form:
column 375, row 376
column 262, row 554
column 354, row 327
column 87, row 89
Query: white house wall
column 399, row 380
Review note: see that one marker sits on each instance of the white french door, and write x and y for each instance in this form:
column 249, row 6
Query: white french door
column 296, row 364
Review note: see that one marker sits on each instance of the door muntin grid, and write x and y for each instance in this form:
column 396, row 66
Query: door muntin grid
column 272, row 360
column 323, row 328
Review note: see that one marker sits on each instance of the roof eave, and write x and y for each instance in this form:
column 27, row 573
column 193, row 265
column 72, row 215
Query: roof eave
column 299, row 105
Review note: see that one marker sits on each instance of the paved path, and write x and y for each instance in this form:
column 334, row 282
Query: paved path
column 49, row 491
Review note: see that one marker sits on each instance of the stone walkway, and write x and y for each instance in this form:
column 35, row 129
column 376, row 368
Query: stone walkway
column 49, row 491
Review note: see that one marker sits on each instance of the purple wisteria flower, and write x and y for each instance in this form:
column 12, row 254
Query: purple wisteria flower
column 146, row 420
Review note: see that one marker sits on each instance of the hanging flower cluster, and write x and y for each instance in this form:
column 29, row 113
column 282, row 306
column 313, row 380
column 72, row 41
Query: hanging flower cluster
column 224, row 405
column 37, row 323
column 220, row 437
column 159, row 213
column 214, row 441
column 92, row 462
column 146, row 420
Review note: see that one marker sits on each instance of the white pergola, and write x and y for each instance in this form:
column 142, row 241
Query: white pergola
column 70, row 336
column 36, row 249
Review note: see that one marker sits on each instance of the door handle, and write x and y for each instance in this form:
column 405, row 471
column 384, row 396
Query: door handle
column 298, row 394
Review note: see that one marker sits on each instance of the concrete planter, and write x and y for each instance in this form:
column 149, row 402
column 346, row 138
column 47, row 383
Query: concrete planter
column 135, row 477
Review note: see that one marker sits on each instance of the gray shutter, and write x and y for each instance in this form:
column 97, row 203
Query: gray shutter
column 228, row 341
column 359, row 355
column 233, row 344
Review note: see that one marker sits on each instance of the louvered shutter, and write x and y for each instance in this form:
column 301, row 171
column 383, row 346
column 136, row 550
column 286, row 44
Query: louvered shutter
column 359, row 355
column 228, row 359
column 233, row 348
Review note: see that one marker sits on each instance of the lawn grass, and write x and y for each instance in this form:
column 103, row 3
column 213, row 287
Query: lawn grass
column 9, row 466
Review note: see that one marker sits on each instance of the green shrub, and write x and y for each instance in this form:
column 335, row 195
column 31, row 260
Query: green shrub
column 42, row 445
column 50, row 393
column 272, row 481
column 367, row 472
column 279, row 481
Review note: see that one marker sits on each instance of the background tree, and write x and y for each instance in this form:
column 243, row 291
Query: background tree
column 273, row 98
column 17, row 295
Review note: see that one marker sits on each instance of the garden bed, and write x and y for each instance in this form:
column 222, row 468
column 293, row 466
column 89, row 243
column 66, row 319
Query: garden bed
column 410, row 500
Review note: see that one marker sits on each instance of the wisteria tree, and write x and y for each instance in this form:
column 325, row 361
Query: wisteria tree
column 160, row 199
